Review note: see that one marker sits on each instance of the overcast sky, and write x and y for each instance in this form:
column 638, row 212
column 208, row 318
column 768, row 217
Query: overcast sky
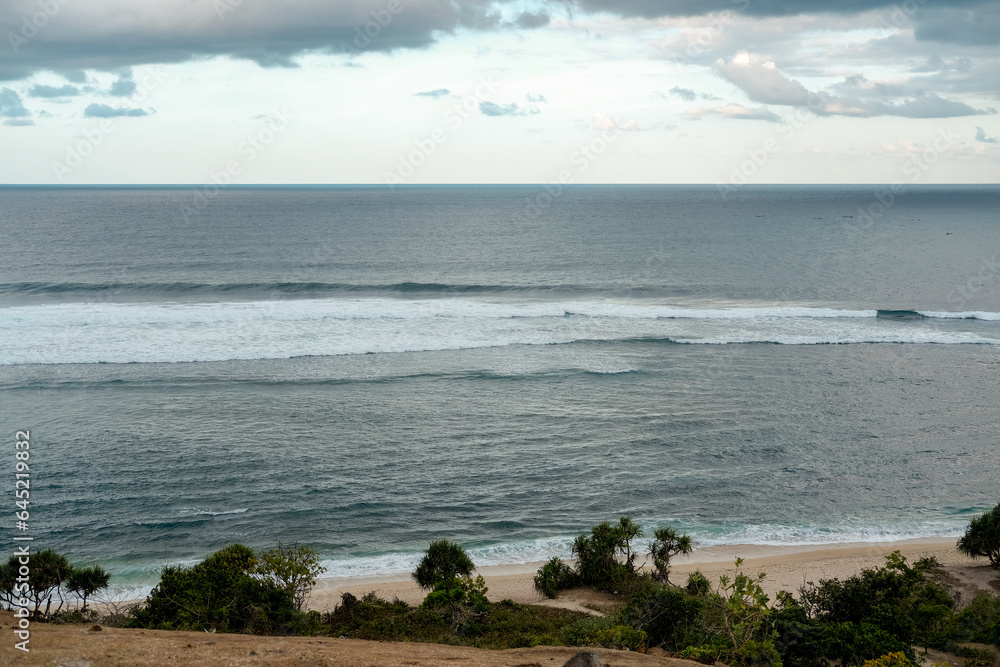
column 475, row 91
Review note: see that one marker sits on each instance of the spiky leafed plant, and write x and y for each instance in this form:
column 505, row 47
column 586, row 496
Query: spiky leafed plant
column 442, row 561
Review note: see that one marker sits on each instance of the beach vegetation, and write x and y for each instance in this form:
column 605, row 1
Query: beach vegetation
column 85, row 581
column 555, row 576
column 605, row 559
column 442, row 562
column 41, row 588
column 666, row 544
column 293, row 567
column 222, row 594
column 982, row 537
column 500, row 625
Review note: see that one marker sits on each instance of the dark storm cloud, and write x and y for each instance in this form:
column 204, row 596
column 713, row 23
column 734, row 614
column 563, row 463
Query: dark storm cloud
column 111, row 35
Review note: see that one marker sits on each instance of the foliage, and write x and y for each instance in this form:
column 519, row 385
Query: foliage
column 666, row 544
column 977, row 657
column 698, row 584
column 48, row 570
column 293, row 567
column 671, row 618
column 442, row 561
column 982, row 537
column 603, row 631
column 896, row 659
column 84, row 582
column 503, row 625
column 219, row 593
column 979, row 621
column 746, row 619
column 553, row 577
column 605, row 557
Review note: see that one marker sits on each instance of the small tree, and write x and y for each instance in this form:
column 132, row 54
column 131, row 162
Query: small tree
column 442, row 562
column 553, row 577
column 982, row 537
column 48, row 570
column 666, row 545
column 86, row 581
column 605, row 557
column 293, row 568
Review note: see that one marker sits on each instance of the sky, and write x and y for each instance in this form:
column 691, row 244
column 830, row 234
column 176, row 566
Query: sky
column 396, row 92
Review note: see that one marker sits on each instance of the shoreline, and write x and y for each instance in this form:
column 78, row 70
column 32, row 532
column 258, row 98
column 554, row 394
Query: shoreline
column 787, row 568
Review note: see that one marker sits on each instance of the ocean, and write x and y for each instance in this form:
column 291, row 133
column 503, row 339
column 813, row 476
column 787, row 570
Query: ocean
column 363, row 370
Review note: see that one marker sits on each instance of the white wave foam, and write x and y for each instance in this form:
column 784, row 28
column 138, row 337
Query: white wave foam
column 966, row 315
column 189, row 332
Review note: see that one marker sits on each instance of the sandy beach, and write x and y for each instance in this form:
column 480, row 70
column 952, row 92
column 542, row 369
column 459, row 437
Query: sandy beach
column 787, row 568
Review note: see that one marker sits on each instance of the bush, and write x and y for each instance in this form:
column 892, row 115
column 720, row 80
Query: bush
column 604, row 631
column 982, row 537
column 605, row 558
column 671, row 618
column 979, row 621
column 442, row 561
column 553, row 577
column 293, row 568
column 667, row 544
column 220, row 593
column 890, row 660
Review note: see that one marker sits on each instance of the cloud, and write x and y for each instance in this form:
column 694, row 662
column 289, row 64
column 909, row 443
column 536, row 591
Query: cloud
column 979, row 25
column 512, row 109
column 762, row 82
column 52, row 91
column 536, row 99
column 11, row 105
column 736, row 111
column 104, row 111
column 108, row 35
column 19, row 122
column 125, row 86
column 437, row 92
column 684, row 93
column 981, row 136
column 530, row 20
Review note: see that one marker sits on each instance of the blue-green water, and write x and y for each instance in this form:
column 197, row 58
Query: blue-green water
column 364, row 370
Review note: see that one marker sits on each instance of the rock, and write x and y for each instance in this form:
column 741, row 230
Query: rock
column 95, row 628
column 584, row 659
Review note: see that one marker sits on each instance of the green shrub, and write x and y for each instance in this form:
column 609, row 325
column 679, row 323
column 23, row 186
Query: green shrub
column 501, row 625
column 979, row 621
column 604, row 631
column 890, row 660
column 293, row 568
column 555, row 576
column 670, row 617
column 605, row 558
column 442, row 561
column 698, row 584
column 666, row 544
column 220, row 593
column 982, row 537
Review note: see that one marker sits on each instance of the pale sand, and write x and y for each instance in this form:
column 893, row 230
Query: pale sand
column 787, row 568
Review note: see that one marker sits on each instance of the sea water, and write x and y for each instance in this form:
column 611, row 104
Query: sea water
column 364, row 370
